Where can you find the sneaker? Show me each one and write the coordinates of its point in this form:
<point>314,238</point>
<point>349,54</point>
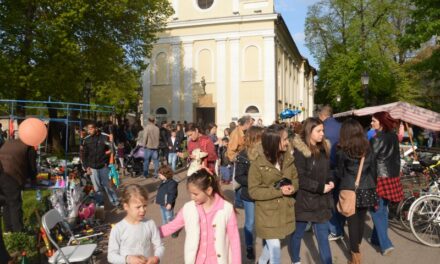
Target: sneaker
<point>388,251</point>
<point>250,253</point>
<point>333,237</point>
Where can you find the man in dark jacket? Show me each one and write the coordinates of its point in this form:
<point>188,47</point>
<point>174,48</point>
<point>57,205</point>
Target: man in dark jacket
<point>17,165</point>
<point>163,142</point>
<point>95,160</point>
<point>331,130</point>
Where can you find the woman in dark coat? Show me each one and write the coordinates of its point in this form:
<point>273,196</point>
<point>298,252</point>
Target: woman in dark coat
<point>242,164</point>
<point>353,145</point>
<point>385,145</point>
<point>314,201</point>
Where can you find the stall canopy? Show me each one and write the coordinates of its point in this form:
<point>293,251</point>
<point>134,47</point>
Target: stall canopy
<point>401,110</point>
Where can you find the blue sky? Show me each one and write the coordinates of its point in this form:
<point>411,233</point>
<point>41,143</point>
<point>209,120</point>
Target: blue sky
<point>294,13</point>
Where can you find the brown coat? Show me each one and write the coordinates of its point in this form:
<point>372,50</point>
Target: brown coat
<point>274,212</point>
<point>236,143</point>
<point>18,161</point>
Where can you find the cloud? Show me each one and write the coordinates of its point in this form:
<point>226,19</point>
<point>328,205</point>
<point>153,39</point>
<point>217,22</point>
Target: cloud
<point>299,37</point>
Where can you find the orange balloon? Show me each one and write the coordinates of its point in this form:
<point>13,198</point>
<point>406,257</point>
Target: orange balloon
<point>32,131</point>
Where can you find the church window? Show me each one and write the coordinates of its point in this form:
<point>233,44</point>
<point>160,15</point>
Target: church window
<point>205,4</point>
<point>252,110</point>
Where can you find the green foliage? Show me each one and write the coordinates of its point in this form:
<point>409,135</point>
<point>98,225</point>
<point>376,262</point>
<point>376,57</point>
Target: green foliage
<point>19,242</point>
<point>31,205</point>
<point>50,47</point>
<point>352,37</point>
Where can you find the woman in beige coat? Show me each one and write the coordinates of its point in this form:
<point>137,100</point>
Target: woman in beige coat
<point>272,182</point>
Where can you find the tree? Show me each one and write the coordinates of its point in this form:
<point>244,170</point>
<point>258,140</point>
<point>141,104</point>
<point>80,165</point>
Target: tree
<point>422,35</point>
<point>351,37</point>
<point>50,47</point>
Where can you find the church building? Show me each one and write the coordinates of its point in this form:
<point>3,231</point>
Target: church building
<point>220,59</point>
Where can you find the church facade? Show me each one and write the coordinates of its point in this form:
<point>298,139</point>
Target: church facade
<point>220,59</point>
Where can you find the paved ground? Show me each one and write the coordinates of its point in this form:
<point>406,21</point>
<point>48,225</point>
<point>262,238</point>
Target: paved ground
<point>408,250</point>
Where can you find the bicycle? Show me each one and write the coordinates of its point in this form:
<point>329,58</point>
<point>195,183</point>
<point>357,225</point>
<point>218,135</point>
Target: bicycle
<point>416,178</point>
<point>424,213</point>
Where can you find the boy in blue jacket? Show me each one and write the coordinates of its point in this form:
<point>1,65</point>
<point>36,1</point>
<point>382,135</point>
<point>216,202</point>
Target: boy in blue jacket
<point>167,194</point>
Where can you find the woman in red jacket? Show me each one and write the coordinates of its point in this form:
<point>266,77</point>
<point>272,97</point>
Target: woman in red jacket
<point>197,140</point>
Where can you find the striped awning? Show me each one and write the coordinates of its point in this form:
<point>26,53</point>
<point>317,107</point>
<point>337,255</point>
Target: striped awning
<point>403,111</point>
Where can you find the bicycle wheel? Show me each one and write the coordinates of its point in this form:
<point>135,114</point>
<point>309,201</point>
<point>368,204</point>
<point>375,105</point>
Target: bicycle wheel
<point>424,219</point>
<point>403,211</point>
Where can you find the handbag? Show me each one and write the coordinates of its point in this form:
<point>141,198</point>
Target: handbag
<point>347,198</point>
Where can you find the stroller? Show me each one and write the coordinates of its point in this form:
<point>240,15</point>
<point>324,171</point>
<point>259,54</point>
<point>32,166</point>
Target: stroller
<point>134,161</point>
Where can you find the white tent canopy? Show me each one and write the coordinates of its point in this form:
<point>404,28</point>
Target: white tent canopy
<point>401,110</point>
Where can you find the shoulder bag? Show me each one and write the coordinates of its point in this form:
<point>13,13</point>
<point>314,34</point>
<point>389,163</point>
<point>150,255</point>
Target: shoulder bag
<point>347,198</point>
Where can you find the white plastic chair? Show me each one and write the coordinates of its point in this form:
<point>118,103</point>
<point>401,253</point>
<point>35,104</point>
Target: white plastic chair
<point>67,254</point>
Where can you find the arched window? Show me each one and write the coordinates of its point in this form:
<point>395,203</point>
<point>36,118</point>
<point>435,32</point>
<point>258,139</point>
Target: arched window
<point>161,69</point>
<point>204,63</point>
<point>252,64</point>
<point>252,110</point>
<point>161,111</point>
<point>205,4</point>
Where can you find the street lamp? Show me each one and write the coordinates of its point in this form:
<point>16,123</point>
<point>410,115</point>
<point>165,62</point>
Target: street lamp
<point>365,79</point>
<point>338,98</point>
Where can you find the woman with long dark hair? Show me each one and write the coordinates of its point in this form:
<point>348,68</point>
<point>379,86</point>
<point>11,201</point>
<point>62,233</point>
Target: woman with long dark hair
<point>314,200</point>
<point>385,145</point>
<point>353,145</point>
<point>251,139</point>
<point>272,182</point>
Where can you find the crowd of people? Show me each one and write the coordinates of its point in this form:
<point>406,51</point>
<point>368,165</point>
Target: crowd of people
<point>287,177</point>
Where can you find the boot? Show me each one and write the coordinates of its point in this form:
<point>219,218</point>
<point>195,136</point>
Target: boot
<point>355,258</point>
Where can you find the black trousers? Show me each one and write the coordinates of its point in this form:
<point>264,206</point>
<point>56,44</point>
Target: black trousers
<point>12,211</point>
<point>4,255</point>
<point>356,225</point>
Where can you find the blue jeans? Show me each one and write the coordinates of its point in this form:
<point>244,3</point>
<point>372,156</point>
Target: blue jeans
<point>238,202</point>
<point>271,252</point>
<point>321,234</point>
<point>172,159</point>
<point>249,221</point>
<point>336,223</point>
<point>380,230</point>
<point>151,154</point>
<point>226,173</point>
<point>167,215</point>
<point>101,182</point>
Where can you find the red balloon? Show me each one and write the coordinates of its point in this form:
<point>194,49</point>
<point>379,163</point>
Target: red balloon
<point>32,131</point>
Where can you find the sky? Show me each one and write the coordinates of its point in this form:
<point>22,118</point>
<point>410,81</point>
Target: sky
<point>294,13</point>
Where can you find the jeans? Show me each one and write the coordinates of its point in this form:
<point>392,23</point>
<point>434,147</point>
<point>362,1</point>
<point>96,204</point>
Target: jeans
<point>249,221</point>
<point>167,215</point>
<point>321,234</point>
<point>271,252</point>
<point>151,154</point>
<point>380,230</point>
<point>226,173</point>
<point>238,202</point>
<point>336,223</point>
<point>172,159</point>
<point>101,182</point>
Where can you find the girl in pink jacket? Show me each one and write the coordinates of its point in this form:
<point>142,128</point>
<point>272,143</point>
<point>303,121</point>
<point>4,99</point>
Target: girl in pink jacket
<point>210,224</point>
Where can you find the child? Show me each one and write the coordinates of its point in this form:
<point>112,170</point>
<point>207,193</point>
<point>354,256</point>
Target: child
<point>167,194</point>
<point>134,238</point>
<point>174,148</point>
<point>209,221</point>
<point>225,164</point>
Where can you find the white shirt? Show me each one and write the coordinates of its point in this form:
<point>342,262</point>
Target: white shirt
<point>129,239</point>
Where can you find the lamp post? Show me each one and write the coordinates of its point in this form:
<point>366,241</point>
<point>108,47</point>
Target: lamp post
<point>365,79</point>
<point>338,98</point>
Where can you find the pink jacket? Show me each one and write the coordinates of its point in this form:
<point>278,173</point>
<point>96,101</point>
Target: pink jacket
<point>209,237</point>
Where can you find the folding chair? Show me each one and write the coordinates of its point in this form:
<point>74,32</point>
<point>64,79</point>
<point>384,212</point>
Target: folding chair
<point>67,254</point>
